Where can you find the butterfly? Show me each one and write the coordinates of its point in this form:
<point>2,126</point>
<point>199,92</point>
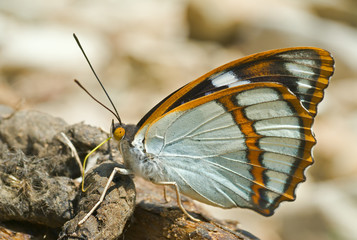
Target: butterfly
<point>239,136</point>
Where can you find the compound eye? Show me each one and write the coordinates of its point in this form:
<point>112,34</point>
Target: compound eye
<point>119,133</point>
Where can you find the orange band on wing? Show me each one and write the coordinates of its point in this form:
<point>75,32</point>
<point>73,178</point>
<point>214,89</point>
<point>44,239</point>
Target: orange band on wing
<point>251,143</point>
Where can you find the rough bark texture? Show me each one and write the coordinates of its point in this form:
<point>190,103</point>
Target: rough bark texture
<point>41,198</point>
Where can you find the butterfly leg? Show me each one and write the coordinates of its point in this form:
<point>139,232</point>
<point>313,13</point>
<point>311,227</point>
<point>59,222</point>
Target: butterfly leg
<point>165,194</point>
<point>122,171</point>
<point>74,151</point>
<point>178,198</point>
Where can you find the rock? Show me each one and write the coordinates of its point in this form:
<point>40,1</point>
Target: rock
<point>109,220</point>
<point>161,220</point>
<point>28,193</point>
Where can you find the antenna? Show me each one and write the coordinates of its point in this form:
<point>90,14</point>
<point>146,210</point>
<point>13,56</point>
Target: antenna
<point>81,86</point>
<point>116,114</point>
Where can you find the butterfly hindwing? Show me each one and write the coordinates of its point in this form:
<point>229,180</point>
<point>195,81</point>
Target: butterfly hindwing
<point>304,70</point>
<point>244,146</point>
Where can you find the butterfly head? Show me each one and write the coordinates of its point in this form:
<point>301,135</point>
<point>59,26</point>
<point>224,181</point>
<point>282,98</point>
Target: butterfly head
<point>117,131</point>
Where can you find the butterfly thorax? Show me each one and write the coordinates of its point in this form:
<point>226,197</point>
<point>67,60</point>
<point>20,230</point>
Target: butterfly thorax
<point>136,159</point>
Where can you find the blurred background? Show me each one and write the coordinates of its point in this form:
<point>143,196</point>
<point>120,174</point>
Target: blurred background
<point>145,49</point>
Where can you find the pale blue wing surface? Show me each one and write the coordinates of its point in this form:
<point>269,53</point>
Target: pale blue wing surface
<point>205,151</point>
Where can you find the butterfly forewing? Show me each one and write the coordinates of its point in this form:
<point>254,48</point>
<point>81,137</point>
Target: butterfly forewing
<point>305,71</point>
<point>243,146</point>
